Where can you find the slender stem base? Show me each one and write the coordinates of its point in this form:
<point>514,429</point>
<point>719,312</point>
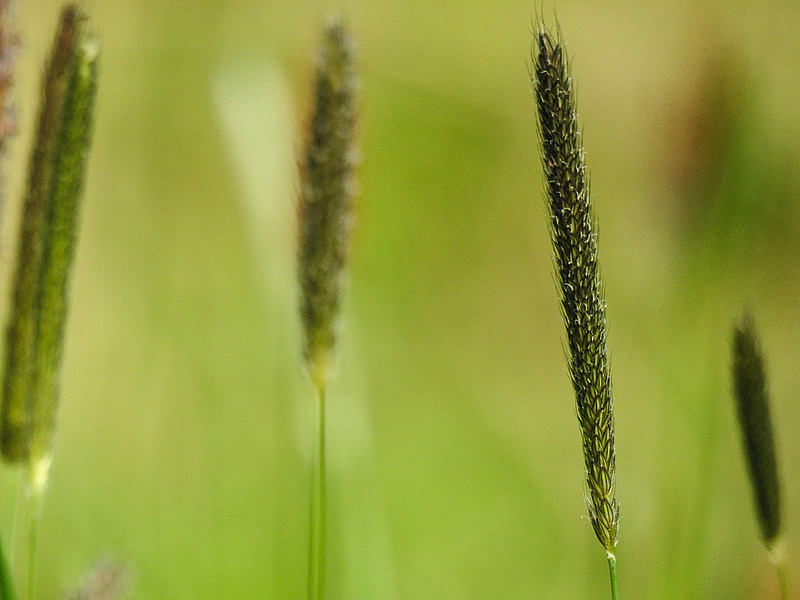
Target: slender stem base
<point>612,570</point>
<point>16,516</point>
<point>316,546</point>
<point>783,575</point>
<point>6,586</point>
<point>778,556</point>
<point>35,512</point>
<point>33,542</point>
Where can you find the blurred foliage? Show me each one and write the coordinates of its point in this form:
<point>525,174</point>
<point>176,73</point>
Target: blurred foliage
<point>455,455</point>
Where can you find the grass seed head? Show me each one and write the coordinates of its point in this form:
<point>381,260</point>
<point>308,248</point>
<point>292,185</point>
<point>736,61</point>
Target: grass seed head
<point>583,306</point>
<point>35,333</point>
<point>326,199</point>
<point>752,402</point>
<point>9,46</point>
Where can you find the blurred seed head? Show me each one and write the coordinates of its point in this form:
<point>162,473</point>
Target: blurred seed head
<point>326,199</point>
<point>752,402</point>
<point>9,45</point>
<point>34,342</point>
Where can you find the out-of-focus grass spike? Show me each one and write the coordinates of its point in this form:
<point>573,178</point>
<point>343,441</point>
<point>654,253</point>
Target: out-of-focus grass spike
<point>755,421</point>
<point>35,331</point>
<point>326,198</point>
<point>9,42</point>
<point>69,168</point>
<point>752,402</point>
<point>582,302</point>
<point>325,215</point>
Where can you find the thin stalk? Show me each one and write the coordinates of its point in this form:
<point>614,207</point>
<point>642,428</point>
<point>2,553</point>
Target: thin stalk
<point>6,586</point>
<point>14,515</point>
<point>612,570</point>
<point>317,529</point>
<point>783,576</point>
<point>33,538</point>
<point>778,557</point>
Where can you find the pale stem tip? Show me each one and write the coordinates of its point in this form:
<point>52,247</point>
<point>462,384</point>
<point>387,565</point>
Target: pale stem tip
<point>39,474</point>
<point>777,551</point>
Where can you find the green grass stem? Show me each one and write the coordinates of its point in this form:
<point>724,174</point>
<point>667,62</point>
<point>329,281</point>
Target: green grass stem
<point>34,517</point>
<point>612,571</point>
<point>783,577</point>
<point>6,584</point>
<point>318,523</point>
<point>13,511</point>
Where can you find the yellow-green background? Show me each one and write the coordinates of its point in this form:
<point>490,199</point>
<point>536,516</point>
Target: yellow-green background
<point>455,465</point>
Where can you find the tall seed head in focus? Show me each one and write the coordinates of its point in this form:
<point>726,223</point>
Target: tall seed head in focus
<point>752,402</point>
<point>575,245</point>
<point>326,199</point>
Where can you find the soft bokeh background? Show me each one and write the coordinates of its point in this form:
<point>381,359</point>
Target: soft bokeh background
<point>455,470</point>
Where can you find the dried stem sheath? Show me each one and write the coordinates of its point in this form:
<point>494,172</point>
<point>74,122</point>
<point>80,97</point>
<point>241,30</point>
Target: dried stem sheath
<point>582,302</point>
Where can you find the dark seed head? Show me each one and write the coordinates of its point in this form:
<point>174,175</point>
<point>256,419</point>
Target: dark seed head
<point>752,402</point>
<point>582,303</point>
<point>35,333</point>
<point>326,198</point>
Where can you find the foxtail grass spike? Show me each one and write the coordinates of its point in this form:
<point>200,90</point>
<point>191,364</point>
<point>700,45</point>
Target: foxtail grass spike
<point>9,42</point>
<point>325,215</point>
<point>326,191</point>
<point>752,402</point>
<point>583,306</point>
<point>34,342</point>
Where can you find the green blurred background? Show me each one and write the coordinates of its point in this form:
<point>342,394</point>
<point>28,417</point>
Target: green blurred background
<point>456,470</point>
